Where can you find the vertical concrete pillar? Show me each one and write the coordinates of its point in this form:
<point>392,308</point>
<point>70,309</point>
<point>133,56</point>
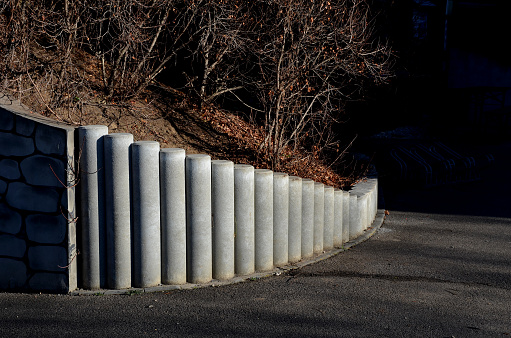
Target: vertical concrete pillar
<point>319,216</point>
<point>369,209</point>
<point>146,213</point>
<point>263,206</point>
<point>198,217</point>
<point>376,197</point>
<point>307,218</point>
<point>355,219</point>
<point>92,206</point>
<point>363,202</point>
<point>295,219</point>
<point>244,254</point>
<point>117,202</point>
<point>280,218</point>
<point>345,216</point>
<point>328,229</point>
<point>338,218</point>
<point>222,195</point>
<point>173,215</point>
<point>373,204</point>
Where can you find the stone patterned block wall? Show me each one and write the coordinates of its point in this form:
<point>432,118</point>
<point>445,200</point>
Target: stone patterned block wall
<point>37,204</point>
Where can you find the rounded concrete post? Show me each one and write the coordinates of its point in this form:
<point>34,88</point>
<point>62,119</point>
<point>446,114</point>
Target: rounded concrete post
<point>92,205</point>
<point>222,194</point>
<point>307,218</point>
<point>355,220</point>
<point>198,216</point>
<point>328,229</point>
<point>263,206</point>
<point>373,200</point>
<point>295,219</point>
<point>244,255</point>
<point>173,215</point>
<point>375,203</point>
<point>117,202</point>
<point>280,218</point>
<point>338,199</point>
<point>363,202</point>
<point>146,213</point>
<point>319,217</point>
<point>372,209</point>
<point>345,217</point>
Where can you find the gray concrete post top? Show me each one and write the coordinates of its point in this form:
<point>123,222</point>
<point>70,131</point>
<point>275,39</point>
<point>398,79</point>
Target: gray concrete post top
<point>151,144</point>
<point>97,127</point>
<point>243,167</point>
<point>197,156</point>
<point>173,150</point>
<point>223,163</point>
<point>308,182</point>
<point>119,135</point>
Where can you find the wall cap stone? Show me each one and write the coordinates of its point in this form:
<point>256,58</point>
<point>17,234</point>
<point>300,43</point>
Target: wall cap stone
<point>14,106</point>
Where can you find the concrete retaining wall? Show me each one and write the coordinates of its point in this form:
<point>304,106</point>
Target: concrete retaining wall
<point>37,202</point>
<point>151,216</point>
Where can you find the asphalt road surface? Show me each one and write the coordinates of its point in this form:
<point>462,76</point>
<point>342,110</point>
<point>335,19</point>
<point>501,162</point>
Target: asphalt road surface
<point>440,266</point>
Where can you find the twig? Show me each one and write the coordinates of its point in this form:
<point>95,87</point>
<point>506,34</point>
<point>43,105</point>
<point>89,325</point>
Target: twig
<point>72,259</point>
<point>69,220</point>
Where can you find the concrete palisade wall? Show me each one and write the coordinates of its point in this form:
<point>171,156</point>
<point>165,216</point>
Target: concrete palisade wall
<point>37,203</point>
<point>194,220</point>
<point>152,216</point>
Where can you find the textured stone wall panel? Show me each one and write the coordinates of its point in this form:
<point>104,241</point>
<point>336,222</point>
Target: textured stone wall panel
<point>46,229</point>
<point>14,145</point>
<point>6,120</point>
<point>37,240</point>
<point>44,281</point>
<point>47,258</point>
<point>3,188</point>
<point>12,246</point>
<point>43,171</point>
<point>24,126</point>
<point>10,221</point>
<point>49,140</point>
<point>9,169</point>
<point>37,199</point>
<point>14,274</point>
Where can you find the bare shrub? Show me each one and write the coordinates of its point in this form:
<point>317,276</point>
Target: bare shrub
<point>291,64</point>
<point>299,60</point>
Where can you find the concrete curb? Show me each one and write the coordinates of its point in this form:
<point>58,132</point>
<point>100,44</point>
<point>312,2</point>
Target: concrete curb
<point>368,233</point>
